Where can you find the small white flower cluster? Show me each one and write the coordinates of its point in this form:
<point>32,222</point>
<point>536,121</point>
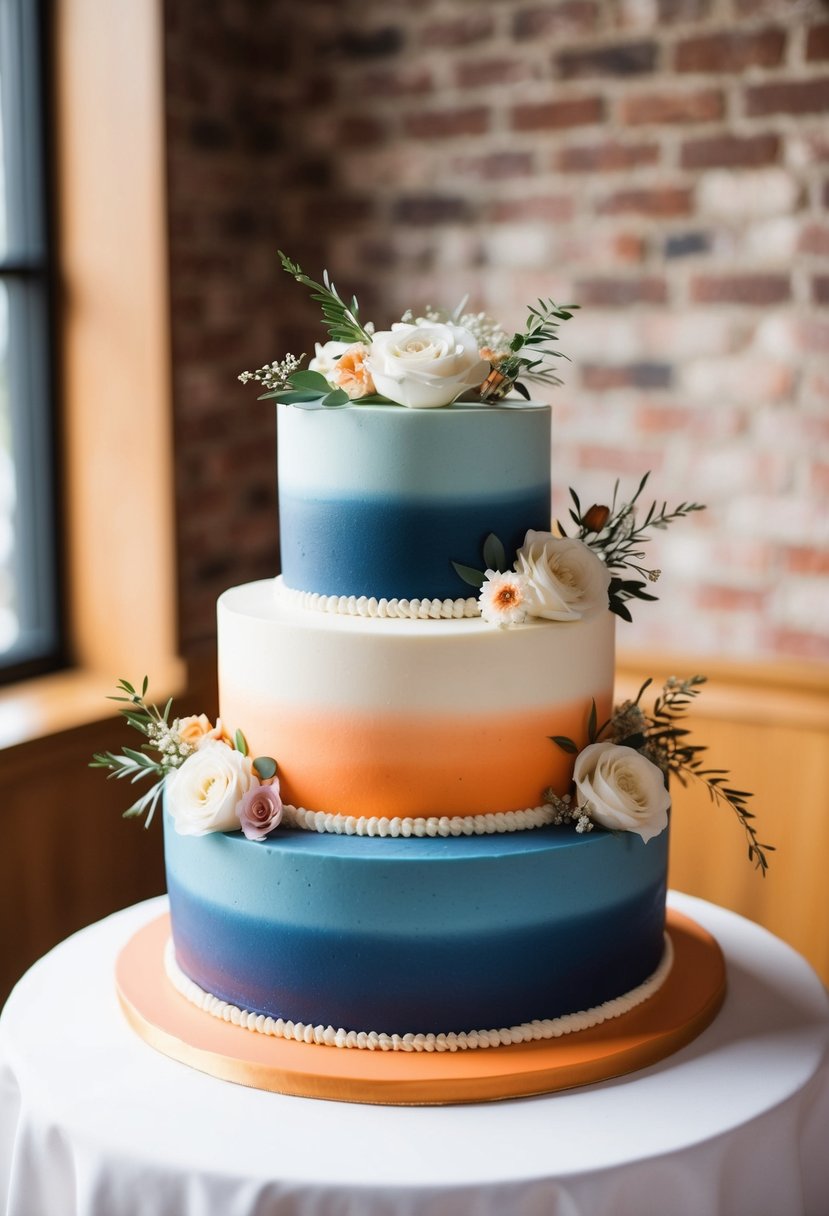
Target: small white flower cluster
<point>565,812</point>
<point>274,376</point>
<point>487,332</point>
<point>168,743</point>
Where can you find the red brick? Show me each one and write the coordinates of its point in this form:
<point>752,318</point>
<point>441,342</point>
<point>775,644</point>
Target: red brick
<point>670,11</point>
<point>606,157</point>
<point>731,599</point>
<point>401,82</point>
<point>730,151</point>
<point>620,59</point>
<point>701,105</point>
<point>485,73</point>
<point>553,20</point>
<point>615,460</point>
<point>759,290</point>
<point>805,559</point>
<point>817,42</point>
<point>820,289</point>
<point>626,247</point>
<point>446,124</point>
<point>555,208</point>
<point>601,378</point>
<point>619,293</point>
<point>495,166</point>
<point>731,51</point>
<point>788,97</point>
<point>793,643</point>
<point>661,202</point>
<point>553,115</point>
<point>814,239</point>
<point>459,31</point>
<point>663,419</point>
<point>359,130</point>
<point>428,209</point>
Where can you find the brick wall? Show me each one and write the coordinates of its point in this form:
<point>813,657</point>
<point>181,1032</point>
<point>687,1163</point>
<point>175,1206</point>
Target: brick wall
<point>665,163</point>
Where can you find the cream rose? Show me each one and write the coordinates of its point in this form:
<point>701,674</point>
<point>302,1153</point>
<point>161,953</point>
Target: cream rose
<point>202,795</point>
<point>425,366</point>
<point>565,578</point>
<point>325,358</point>
<point>621,789</point>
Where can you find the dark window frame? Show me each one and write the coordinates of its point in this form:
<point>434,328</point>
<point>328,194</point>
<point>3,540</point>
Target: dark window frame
<point>28,273</point>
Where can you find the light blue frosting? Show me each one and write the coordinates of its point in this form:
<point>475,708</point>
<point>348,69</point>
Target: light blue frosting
<point>380,500</point>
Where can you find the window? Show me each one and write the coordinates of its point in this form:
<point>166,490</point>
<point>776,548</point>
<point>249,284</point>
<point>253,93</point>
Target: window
<point>29,631</point>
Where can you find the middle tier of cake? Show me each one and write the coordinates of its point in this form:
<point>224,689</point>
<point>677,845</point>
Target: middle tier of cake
<point>385,718</point>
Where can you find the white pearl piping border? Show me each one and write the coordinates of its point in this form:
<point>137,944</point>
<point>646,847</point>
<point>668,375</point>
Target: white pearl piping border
<point>327,1036</point>
<point>369,606</point>
<point>444,825</point>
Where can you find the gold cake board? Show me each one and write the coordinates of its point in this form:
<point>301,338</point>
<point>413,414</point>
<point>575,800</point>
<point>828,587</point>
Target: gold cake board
<point>687,1002</point>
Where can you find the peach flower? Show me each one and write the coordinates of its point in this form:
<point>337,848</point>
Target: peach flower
<point>351,373</point>
<point>197,730</point>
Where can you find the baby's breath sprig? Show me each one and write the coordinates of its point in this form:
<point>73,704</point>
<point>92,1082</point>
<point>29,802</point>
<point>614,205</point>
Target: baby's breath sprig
<point>275,377</point>
<point>615,535</point>
<point>661,736</point>
<point>342,320</point>
<point>161,737</point>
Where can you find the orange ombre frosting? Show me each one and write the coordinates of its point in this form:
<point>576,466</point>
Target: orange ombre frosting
<point>416,718</point>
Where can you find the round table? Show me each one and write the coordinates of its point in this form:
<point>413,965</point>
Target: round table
<point>94,1122</point>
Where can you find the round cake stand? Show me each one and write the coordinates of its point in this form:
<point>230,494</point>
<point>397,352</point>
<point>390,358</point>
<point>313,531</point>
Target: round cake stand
<point>687,1002</point>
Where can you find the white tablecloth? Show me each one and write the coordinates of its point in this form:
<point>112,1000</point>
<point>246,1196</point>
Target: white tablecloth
<point>93,1122</point>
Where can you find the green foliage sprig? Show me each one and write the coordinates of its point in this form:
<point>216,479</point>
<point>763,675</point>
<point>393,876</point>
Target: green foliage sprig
<point>615,534</point>
<point>664,739</point>
<point>137,765</point>
<point>342,320</point>
<point>531,350</point>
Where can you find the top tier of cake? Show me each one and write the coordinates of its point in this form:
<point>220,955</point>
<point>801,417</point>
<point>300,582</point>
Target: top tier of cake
<point>379,500</point>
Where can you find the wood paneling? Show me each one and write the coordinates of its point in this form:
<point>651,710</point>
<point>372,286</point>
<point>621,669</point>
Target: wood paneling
<point>769,726</point>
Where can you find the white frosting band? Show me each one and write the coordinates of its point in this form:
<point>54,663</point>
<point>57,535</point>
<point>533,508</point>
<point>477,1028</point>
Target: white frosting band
<point>444,825</point>
<point>369,606</point>
<point>327,1036</point>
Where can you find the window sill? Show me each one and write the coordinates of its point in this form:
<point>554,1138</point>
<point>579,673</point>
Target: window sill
<point>49,705</point>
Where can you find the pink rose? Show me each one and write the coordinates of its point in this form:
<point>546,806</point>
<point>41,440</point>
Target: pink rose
<point>260,811</point>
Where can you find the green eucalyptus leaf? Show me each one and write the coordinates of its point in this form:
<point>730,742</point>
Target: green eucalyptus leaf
<point>337,397</point>
<point>310,380</point>
<point>265,767</point>
<point>592,723</point>
<point>494,556</point>
<point>475,578</point>
<point>241,743</point>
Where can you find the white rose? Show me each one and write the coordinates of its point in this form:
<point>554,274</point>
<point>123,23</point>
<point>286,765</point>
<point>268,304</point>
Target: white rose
<point>326,357</point>
<point>202,795</point>
<point>425,366</point>
<point>565,578</point>
<point>621,789</point>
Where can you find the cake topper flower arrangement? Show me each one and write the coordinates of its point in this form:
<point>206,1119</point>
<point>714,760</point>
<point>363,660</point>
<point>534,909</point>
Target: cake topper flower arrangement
<point>422,362</point>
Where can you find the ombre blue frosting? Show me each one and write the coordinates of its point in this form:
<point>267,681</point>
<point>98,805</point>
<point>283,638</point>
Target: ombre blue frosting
<point>381,500</point>
<point>395,547</point>
<point>417,935</point>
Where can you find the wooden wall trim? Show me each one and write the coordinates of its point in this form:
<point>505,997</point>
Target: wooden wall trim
<point>115,325</point>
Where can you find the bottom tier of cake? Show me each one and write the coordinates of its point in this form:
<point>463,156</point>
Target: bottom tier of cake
<point>421,935</point>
